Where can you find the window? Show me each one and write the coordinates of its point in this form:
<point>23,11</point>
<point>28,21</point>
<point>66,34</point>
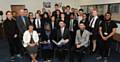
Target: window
<point>115,8</point>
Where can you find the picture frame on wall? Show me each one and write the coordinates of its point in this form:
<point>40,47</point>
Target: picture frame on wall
<point>47,4</point>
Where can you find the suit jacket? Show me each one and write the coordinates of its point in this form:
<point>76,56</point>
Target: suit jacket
<point>67,18</point>
<point>84,39</point>
<point>48,38</point>
<point>20,24</point>
<point>86,22</point>
<point>97,24</point>
<point>55,26</point>
<point>75,25</point>
<point>38,29</point>
<point>66,34</point>
<point>45,37</point>
<point>10,28</point>
<point>31,23</point>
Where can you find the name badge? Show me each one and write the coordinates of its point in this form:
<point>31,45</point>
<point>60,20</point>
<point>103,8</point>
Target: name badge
<point>105,33</point>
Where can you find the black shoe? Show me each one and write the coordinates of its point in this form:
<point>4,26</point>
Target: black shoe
<point>99,58</point>
<point>12,59</point>
<point>19,56</point>
<point>105,59</point>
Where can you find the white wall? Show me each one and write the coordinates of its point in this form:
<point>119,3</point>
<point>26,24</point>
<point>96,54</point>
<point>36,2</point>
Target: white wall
<point>92,2</point>
<point>34,5</point>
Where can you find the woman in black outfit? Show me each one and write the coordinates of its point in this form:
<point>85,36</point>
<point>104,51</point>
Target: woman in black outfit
<point>46,18</point>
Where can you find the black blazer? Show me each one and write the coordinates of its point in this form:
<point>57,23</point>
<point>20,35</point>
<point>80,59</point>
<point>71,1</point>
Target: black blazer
<point>10,28</point>
<point>32,23</point>
<point>55,25</point>
<point>45,37</point>
<point>75,25</point>
<point>42,24</point>
<point>67,18</point>
<point>86,22</point>
<point>21,27</point>
<point>97,24</point>
<point>66,34</point>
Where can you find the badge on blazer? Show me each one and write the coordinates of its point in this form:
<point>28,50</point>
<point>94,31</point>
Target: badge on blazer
<point>105,33</point>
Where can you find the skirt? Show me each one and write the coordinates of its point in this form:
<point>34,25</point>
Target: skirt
<point>32,50</point>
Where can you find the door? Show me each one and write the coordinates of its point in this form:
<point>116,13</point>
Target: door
<point>16,8</point>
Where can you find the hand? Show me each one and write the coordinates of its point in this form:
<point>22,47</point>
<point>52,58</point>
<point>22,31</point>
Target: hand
<point>66,41</point>
<point>94,46</point>
<point>78,46</point>
<point>48,42</point>
<point>15,35</point>
<point>39,33</point>
<point>104,38</point>
<point>93,50</point>
<point>45,42</point>
<point>31,45</point>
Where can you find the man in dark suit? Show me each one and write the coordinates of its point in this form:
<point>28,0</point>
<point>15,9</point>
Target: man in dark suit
<point>73,26</point>
<point>55,11</point>
<point>53,24</point>
<point>63,38</point>
<point>63,33</point>
<point>38,24</point>
<point>22,25</point>
<point>22,22</point>
<point>67,15</point>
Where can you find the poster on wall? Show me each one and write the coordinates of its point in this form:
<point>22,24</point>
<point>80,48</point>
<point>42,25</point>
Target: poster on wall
<point>60,4</point>
<point>47,4</point>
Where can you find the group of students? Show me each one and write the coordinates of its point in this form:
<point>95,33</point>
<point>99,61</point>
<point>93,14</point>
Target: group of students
<point>58,33</point>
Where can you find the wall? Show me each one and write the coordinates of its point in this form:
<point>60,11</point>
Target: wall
<point>34,5</point>
<point>94,2</point>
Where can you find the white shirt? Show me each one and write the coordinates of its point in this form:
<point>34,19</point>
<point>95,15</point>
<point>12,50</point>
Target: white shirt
<point>79,19</point>
<point>92,22</point>
<point>31,20</point>
<point>36,23</point>
<point>62,30</point>
<point>71,25</point>
<point>52,25</point>
<point>27,37</point>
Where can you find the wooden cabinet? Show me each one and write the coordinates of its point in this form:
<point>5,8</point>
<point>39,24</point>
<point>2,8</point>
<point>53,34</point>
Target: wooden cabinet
<point>116,37</point>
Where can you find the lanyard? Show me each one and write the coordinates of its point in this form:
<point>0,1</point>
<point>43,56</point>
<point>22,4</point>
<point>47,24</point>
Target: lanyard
<point>106,27</point>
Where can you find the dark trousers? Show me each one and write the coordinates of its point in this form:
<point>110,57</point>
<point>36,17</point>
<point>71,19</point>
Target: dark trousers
<point>22,50</point>
<point>62,52</point>
<point>72,40</point>
<point>79,53</point>
<point>14,46</point>
<point>103,47</point>
<point>47,54</point>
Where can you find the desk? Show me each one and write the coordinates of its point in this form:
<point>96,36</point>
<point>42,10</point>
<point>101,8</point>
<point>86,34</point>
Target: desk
<point>116,37</point>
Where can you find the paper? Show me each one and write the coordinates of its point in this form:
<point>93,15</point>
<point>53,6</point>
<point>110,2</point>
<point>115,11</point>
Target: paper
<point>61,42</point>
